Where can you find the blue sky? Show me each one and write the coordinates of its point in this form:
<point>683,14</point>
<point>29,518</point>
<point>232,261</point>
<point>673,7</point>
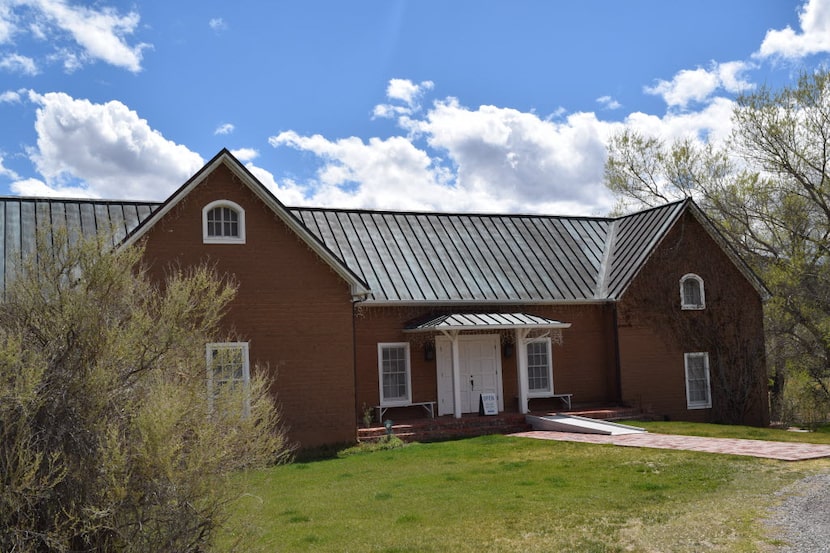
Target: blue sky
<point>469,105</point>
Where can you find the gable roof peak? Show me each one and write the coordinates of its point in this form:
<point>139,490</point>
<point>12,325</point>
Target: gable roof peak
<point>224,157</point>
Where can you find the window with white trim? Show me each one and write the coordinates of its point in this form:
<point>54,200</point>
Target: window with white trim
<point>394,374</point>
<point>228,368</point>
<point>692,295</point>
<point>223,222</point>
<point>698,387</point>
<point>539,368</point>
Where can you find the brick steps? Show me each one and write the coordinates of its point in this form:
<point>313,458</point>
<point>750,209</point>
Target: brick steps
<point>468,426</point>
<point>447,428</point>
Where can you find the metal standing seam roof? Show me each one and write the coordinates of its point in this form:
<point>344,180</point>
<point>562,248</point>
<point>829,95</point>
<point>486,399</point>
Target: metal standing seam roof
<point>22,218</point>
<point>414,257</point>
<point>493,321</point>
<point>436,257</point>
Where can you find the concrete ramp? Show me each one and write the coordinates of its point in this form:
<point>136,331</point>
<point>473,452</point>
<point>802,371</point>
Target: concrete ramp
<point>580,425</point>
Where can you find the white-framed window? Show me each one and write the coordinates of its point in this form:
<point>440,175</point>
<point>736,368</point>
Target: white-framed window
<point>698,387</point>
<point>228,365</point>
<point>394,374</point>
<point>539,368</point>
<point>692,295</point>
<point>223,222</point>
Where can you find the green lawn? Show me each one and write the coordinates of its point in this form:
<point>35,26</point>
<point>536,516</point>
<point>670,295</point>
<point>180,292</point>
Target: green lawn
<point>498,493</point>
<point>820,436</point>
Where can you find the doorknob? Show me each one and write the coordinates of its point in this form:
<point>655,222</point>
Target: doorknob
<point>472,384</point>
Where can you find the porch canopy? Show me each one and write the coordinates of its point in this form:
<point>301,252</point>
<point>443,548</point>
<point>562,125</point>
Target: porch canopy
<point>454,323</point>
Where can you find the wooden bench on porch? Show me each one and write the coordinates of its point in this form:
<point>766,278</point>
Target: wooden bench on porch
<point>429,407</point>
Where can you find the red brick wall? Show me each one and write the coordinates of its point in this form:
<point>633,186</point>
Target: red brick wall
<point>583,365</point>
<point>295,310</point>
<point>655,332</point>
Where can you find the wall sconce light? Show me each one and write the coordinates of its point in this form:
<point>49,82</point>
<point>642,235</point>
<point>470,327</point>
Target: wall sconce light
<point>508,351</point>
<point>429,351</point>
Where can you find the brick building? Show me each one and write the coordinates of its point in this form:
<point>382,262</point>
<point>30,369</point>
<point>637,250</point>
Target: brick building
<point>421,313</point>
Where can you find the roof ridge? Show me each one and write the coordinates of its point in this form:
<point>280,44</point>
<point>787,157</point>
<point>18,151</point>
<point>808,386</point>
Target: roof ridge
<point>450,213</point>
<point>605,264</point>
<point>7,198</point>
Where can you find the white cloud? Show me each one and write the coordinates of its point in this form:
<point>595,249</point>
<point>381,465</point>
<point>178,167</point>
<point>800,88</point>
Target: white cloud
<point>714,122</point>
<point>814,38</point>
<point>7,24</point>
<point>490,159</point>
<point>16,63</point>
<point>224,128</point>
<point>405,91</point>
<point>10,96</point>
<point>217,24</point>
<point>698,85</point>
<point>287,191</point>
<point>108,148</point>
<point>245,154</point>
<point>608,102</point>
<point>79,33</point>
<point>381,173</point>
<point>517,159</point>
<point>6,172</point>
<point>35,187</point>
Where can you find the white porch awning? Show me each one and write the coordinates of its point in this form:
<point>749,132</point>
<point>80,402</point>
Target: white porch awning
<point>484,321</point>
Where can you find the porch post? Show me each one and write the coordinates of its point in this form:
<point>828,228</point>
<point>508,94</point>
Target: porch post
<point>521,363</point>
<point>456,375</point>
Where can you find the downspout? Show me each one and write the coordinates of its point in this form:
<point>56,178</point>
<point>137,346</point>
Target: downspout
<point>357,408</point>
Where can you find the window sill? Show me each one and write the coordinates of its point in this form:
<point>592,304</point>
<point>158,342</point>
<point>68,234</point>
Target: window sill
<point>223,240</point>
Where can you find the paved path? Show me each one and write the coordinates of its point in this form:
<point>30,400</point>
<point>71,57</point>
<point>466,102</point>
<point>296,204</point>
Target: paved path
<point>784,451</point>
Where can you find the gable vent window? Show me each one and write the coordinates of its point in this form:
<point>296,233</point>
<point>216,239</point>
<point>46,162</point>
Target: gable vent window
<point>223,222</point>
<point>691,292</point>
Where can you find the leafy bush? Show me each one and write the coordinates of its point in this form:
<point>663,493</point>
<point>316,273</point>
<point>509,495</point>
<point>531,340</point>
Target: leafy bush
<point>107,439</point>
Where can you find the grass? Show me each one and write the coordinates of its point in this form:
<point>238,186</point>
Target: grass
<point>498,493</point>
<point>820,436</point>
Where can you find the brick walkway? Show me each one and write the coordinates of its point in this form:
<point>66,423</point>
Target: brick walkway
<point>784,451</point>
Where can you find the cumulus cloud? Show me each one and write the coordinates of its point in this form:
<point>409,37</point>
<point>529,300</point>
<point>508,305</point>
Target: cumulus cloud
<point>6,172</point>
<point>79,33</point>
<point>16,63</point>
<point>405,91</point>
<point>813,38</point>
<point>245,154</point>
<point>608,102</point>
<point>381,173</point>
<point>698,85</point>
<point>488,159</point>
<point>36,187</point>
<point>224,128</point>
<point>7,25</point>
<point>104,150</point>
<point>217,24</point>
<point>10,96</point>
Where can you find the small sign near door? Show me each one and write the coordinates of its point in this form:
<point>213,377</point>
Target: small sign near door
<point>488,404</point>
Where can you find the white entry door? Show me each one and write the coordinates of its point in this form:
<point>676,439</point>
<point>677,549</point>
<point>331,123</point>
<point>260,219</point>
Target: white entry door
<point>480,371</point>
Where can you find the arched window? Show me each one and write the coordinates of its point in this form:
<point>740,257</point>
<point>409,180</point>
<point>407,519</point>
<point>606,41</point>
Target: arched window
<point>692,295</point>
<point>223,222</point>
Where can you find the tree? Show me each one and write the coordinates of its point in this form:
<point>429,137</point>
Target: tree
<point>108,440</point>
<point>768,191</point>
